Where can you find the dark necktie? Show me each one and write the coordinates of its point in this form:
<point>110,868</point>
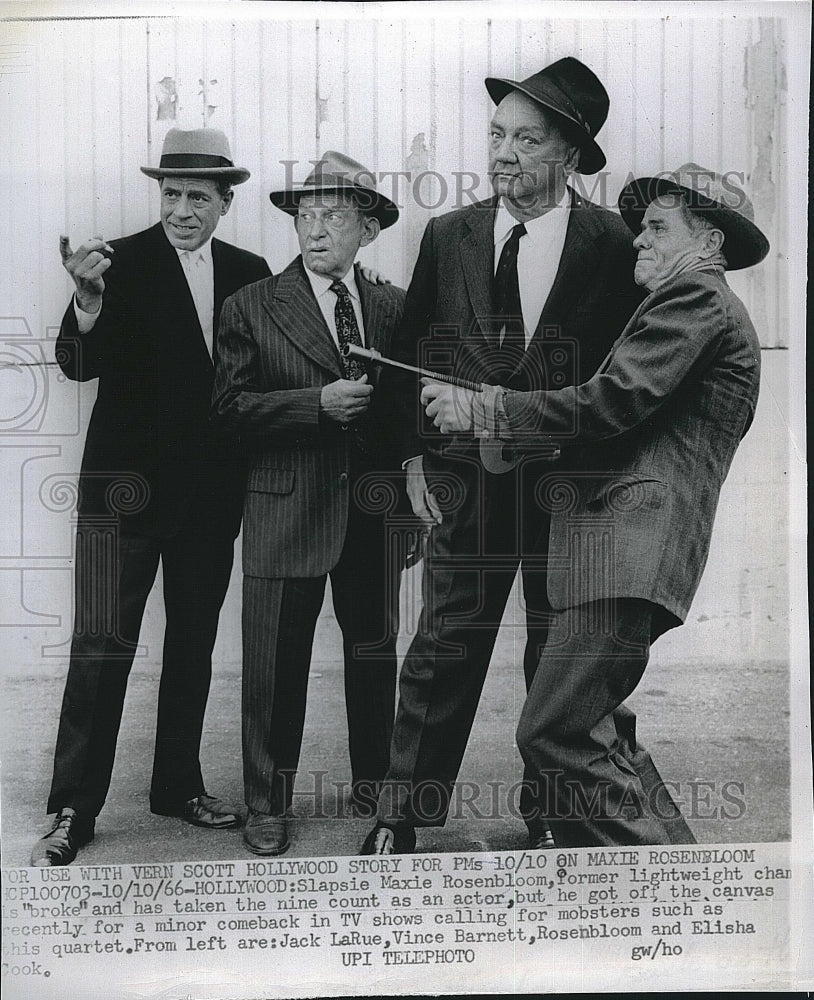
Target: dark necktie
<point>347,329</point>
<point>506,298</point>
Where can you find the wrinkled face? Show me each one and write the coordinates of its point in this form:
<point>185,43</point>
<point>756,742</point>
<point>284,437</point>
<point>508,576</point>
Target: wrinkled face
<point>190,210</point>
<point>527,152</point>
<point>330,230</point>
<point>665,242</point>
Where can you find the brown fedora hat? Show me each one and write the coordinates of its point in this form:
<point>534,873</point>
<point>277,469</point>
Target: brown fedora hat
<point>576,94</point>
<point>337,172</point>
<point>197,152</point>
<point>714,197</point>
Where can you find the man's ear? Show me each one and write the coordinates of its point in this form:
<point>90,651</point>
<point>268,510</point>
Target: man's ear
<point>370,230</point>
<point>226,201</point>
<point>713,242</point>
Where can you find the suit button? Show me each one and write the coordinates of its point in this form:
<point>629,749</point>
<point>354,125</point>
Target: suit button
<point>343,427</point>
<point>343,477</point>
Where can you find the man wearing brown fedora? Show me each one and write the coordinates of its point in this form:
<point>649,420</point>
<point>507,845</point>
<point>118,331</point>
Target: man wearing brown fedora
<point>657,427</point>
<point>528,289</point>
<point>318,494</point>
<point>157,484</point>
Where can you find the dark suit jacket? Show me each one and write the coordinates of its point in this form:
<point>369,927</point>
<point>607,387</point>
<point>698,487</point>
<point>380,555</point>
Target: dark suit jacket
<point>660,423</point>
<point>448,311</point>
<point>149,448</point>
<point>276,354</point>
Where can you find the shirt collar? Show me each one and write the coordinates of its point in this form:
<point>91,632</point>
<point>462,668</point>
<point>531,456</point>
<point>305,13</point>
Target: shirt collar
<point>204,252</point>
<point>321,283</point>
<point>539,228</point>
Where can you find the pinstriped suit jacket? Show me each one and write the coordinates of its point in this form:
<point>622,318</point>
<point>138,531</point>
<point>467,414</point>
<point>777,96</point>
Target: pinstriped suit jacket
<point>659,425</point>
<point>275,354</point>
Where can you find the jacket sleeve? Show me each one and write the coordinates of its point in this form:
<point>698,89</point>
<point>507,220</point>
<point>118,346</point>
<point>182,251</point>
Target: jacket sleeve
<point>402,389</point>
<point>110,344</point>
<point>238,403</point>
<point>675,334</point>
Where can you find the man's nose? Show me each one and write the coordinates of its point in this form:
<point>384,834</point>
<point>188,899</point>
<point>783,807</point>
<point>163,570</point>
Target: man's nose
<point>182,206</point>
<point>318,228</point>
<point>640,241</point>
<point>505,150</point>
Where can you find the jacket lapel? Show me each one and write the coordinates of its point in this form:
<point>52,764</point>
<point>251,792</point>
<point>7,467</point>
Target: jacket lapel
<point>477,260</point>
<point>296,314</point>
<point>171,291</point>
<point>377,314</point>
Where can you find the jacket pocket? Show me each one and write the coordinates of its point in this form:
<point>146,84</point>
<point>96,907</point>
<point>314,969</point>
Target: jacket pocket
<point>270,481</point>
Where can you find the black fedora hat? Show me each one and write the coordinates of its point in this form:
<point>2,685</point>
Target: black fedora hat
<point>713,196</point>
<point>576,94</point>
<point>197,152</point>
<point>337,172</point>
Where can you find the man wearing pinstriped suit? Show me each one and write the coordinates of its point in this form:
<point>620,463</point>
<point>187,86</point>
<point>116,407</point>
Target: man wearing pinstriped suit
<point>315,432</point>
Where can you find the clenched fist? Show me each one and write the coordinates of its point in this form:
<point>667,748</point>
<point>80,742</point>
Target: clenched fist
<point>346,400</point>
<point>86,266</point>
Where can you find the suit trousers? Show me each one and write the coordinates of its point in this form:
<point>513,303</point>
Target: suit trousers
<point>114,574</point>
<point>600,788</point>
<point>279,619</point>
<point>491,524</point>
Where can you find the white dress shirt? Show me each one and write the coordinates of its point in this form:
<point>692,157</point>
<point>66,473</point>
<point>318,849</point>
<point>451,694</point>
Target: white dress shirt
<point>538,256</point>
<point>326,300</point>
<point>200,274</point>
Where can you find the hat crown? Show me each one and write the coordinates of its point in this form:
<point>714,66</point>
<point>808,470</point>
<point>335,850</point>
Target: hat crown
<point>337,169</point>
<point>714,187</point>
<point>583,89</point>
<point>196,142</point>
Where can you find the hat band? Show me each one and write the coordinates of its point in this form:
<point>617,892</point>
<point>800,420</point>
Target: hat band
<point>195,161</point>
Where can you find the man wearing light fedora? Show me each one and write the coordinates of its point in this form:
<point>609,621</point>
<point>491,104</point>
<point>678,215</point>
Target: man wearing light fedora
<point>528,289</point>
<point>657,428</point>
<point>157,484</point>
<point>318,494</point>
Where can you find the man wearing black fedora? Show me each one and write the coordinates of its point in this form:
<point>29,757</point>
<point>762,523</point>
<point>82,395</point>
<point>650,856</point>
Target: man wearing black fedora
<point>157,484</point>
<point>318,492</point>
<point>657,427</point>
<point>528,289</point>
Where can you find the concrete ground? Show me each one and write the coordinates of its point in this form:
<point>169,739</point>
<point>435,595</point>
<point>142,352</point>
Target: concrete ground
<point>727,759</point>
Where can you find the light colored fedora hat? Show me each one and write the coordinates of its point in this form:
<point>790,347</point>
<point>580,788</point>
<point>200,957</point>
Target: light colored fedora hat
<point>714,197</point>
<point>337,172</point>
<point>197,152</point>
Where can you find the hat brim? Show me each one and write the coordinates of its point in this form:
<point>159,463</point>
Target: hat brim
<point>237,175</point>
<point>744,244</point>
<point>371,202</point>
<point>591,157</point>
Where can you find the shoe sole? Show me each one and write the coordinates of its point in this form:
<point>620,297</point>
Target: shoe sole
<point>267,854</point>
<point>231,825</point>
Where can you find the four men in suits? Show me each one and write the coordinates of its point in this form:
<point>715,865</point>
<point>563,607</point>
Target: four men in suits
<point>316,503</point>
<point>528,289</point>
<point>158,484</point>
<point>657,428</point>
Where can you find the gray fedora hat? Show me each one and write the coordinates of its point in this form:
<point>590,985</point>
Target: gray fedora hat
<point>576,94</point>
<point>197,152</point>
<point>337,172</point>
<point>713,196</point>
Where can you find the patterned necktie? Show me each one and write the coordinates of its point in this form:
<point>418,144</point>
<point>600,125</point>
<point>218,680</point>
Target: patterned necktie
<point>347,329</point>
<point>506,289</point>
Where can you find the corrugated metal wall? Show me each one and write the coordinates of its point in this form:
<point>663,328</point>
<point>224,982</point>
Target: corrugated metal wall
<point>89,101</point>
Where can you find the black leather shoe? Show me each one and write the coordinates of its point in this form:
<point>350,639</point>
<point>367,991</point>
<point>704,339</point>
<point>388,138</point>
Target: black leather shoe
<point>204,810</point>
<point>60,844</point>
<point>266,835</point>
<point>389,840</point>
<point>541,839</point>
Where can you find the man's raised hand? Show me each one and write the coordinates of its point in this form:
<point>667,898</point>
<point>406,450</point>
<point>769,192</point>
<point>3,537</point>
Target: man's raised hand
<point>346,399</point>
<point>86,266</point>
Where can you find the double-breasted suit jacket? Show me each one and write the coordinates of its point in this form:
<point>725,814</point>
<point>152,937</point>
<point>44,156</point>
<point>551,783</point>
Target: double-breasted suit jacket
<point>317,503</point>
<point>492,523</point>
<point>276,357</point>
<point>157,483</point>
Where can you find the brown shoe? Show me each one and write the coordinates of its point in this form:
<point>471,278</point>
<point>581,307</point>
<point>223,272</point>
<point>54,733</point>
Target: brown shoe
<point>204,810</point>
<point>63,840</point>
<point>266,835</point>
